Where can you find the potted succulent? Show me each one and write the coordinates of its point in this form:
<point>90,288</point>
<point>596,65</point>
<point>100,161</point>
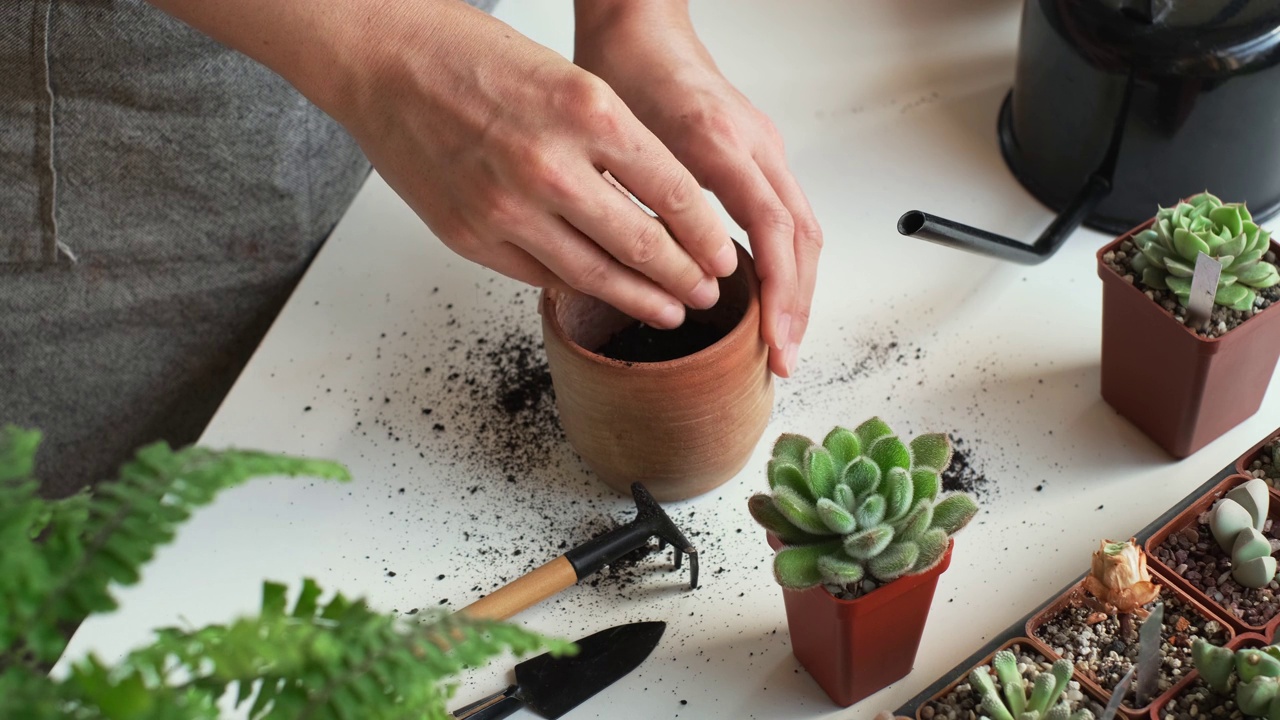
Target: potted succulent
<point>1263,461</point>
<point>1017,682</point>
<point>1243,676</point>
<point>702,393</point>
<point>1185,386</point>
<point>862,534</point>
<point>1092,625</point>
<point>1219,550</point>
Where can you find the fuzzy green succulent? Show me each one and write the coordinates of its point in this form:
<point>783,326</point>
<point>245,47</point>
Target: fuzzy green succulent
<point>1223,231</point>
<point>1010,700</point>
<point>1256,672</point>
<point>862,503</point>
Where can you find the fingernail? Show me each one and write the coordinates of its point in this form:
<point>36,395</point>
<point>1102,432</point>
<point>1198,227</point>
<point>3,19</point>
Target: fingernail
<point>782,331</point>
<point>789,358</point>
<point>671,316</point>
<point>726,261</point>
<point>705,294</point>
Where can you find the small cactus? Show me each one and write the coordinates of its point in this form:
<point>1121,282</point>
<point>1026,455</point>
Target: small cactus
<point>1011,701</point>
<point>1236,522</point>
<point>862,503</point>
<point>1224,232</point>
<point>1255,672</point>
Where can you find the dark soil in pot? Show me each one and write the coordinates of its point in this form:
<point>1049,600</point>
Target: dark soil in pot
<point>1222,321</point>
<point>1197,702</point>
<point>1194,554</point>
<point>961,703</point>
<point>639,343</point>
<point>1099,651</point>
<point>1265,466</point>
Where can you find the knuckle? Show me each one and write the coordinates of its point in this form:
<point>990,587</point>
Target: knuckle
<point>589,277</point>
<point>810,233</point>
<point>774,217</point>
<point>592,101</point>
<point>676,195</point>
<point>500,210</point>
<point>647,245</point>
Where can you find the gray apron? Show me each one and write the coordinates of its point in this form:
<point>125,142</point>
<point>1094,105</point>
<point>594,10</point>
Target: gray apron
<point>160,196</point>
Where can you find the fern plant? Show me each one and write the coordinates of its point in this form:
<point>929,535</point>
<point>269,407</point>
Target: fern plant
<point>319,657</point>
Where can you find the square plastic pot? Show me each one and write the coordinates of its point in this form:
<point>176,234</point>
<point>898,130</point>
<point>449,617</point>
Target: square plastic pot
<point>1187,518</point>
<point>1255,452</point>
<point>1239,642</point>
<point>853,648</point>
<point>1075,596</point>
<point>1181,389</point>
<point>1025,642</point>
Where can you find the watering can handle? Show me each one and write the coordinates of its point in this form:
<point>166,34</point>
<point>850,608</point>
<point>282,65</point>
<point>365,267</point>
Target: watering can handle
<point>524,592</point>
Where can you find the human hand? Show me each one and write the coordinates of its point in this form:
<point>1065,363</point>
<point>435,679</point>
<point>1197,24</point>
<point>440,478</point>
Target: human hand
<point>649,55</point>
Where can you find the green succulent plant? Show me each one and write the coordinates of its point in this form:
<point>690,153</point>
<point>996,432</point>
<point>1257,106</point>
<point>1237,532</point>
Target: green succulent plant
<point>1236,522</point>
<point>1255,671</point>
<point>1223,231</point>
<point>1011,701</point>
<point>862,503</point>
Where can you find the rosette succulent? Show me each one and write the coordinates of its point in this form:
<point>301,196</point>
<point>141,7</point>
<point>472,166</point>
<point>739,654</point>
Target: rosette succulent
<point>861,504</point>
<point>1223,231</point>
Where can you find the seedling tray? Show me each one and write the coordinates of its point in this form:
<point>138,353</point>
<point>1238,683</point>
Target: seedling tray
<point>1018,628</point>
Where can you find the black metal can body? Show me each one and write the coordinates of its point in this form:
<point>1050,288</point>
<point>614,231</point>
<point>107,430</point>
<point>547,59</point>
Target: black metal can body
<point>1186,96</point>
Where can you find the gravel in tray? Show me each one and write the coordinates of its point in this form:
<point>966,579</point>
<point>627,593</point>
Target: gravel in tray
<point>1198,702</point>
<point>1194,554</point>
<point>961,703</point>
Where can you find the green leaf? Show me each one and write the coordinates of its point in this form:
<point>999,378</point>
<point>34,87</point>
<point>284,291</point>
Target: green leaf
<point>862,476</point>
<point>866,544</point>
<point>17,452</point>
<point>925,484</point>
<point>796,568</point>
<point>897,560</point>
<point>916,522</point>
<point>931,451</point>
<point>273,599</point>
<point>789,448</point>
<point>1177,268</point>
<point>871,431</point>
<point>1141,263</point>
<point>933,545</point>
<point>1234,246</point>
<point>871,512</point>
<point>1245,260</point>
<point>1188,245</point>
<point>1261,275</point>
<point>1229,217</point>
<point>889,453</point>
<point>897,490</point>
<point>843,495</point>
<point>1230,295</point>
<point>820,472</point>
<point>783,474</point>
<point>836,518</point>
<point>799,511</point>
<point>843,446</point>
<point>1179,285</point>
<point>838,569</point>
<point>767,515</point>
<point>1154,278</point>
<point>954,512</point>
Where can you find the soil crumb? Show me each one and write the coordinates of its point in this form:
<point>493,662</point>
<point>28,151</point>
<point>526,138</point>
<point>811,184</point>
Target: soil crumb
<point>642,343</point>
<point>965,473</point>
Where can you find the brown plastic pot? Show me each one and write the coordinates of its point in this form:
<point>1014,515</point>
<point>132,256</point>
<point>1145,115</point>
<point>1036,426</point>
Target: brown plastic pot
<point>853,648</point>
<point>1181,389</point>
<point>682,427</point>
<point>1249,640</point>
<point>1031,643</point>
<point>1188,518</point>
<point>1245,460</point>
<point>1075,597</point>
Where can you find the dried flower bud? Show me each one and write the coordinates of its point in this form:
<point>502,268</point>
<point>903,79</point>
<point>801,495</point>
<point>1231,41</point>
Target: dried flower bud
<point>1119,577</point>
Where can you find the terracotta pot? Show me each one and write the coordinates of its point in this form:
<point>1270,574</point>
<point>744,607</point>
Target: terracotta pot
<point>1026,642</point>
<point>1249,640</point>
<point>1074,597</point>
<point>1187,518</point>
<point>853,648</point>
<point>1242,464</point>
<point>1179,388</point>
<point>682,427</point>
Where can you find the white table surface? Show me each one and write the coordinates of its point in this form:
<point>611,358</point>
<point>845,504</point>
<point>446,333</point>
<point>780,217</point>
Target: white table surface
<point>886,106</point>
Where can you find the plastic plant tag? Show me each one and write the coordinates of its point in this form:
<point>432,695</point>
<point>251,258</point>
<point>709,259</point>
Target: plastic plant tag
<point>1204,286</point>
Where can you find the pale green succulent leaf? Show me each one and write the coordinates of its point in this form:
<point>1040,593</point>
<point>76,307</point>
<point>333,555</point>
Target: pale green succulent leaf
<point>1261,275</point>
<point>1179,285</point>
<point>932,450</point>
<point>783,474</point>
<point>866,544</point>
<point>820,471</point>
<point>790,448</point>
<point>772,520</point>
<point>843,495</point>
<point>1178,268</point>
<point>839,569</point>
<point>890,452</point>
<point>1231,295</point>
<point>796,568</point>
<point>843,445</point>
<point>1188,245</point>
<point>898,559</point>
<point>954,512</point>
<point>799,511</point>
<point>897,490</point>
<point>1154,278</point>
<point>837,519</point>
<point>871,431</point>
<point>925,484</point>
<point>862,476</point>
<point>933,545</point>
<point>871,512</point>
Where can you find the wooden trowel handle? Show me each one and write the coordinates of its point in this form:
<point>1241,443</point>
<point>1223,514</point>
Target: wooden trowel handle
<point>524,592</point>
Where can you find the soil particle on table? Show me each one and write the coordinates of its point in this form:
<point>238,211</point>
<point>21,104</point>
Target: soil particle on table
<point>965,473</point>
<point>1265,466</point>
<point>1198,702</point>
<point>961,703</point>
<point>640,343</point>
<point>1098,650</point>
<point>1222,319</point>
<point>1195,555</point>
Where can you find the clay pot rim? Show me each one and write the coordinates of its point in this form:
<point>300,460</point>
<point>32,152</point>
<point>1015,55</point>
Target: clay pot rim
<point>749,323</point>
<point>1115,243</point>
<point>1187,518</point>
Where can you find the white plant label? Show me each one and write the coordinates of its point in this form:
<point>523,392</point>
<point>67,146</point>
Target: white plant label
<point>1204,286</point>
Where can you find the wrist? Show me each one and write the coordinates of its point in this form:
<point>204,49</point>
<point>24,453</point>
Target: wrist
<point>598,24</point>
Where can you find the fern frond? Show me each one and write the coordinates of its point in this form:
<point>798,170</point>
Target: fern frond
<point>110,535</point>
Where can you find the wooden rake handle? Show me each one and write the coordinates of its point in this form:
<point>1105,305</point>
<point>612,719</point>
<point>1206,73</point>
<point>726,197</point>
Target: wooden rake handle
<point>524,592</point>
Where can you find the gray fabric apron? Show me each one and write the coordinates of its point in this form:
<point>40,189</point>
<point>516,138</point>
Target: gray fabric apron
<point>160,196</point>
